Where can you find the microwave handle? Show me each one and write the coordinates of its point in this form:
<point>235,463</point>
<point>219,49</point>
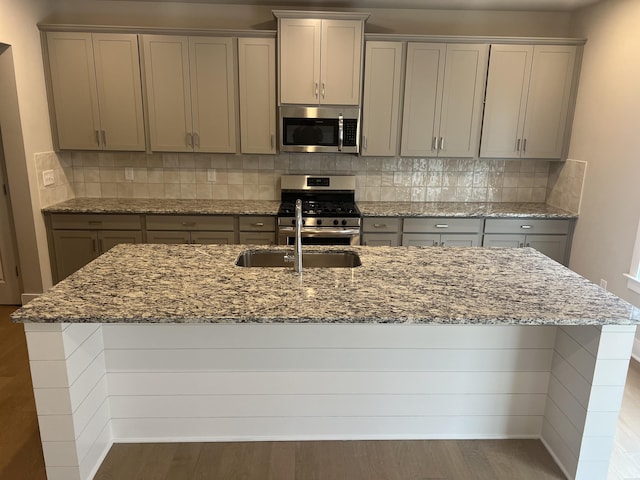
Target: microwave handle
<point>340,132</point>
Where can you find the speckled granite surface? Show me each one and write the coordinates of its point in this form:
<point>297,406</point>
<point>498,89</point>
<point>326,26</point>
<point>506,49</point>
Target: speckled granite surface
<point>431,285</point>
<point>454,209</point>
<point>270,207</point>
<point>165,206</point>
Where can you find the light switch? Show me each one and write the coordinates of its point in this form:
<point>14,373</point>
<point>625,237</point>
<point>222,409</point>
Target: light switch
<point>48,178</point>
<point>128,173</point>
<point>211,175</point>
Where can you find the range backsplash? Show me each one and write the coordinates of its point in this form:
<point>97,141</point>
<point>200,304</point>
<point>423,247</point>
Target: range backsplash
<point>256,177</point>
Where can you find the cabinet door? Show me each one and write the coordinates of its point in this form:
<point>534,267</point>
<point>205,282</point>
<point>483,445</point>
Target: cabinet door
<point>505,102</point>
<point>381,103</point>
<point>168,237</point>
<point>217,238</point>
<point>553,246</point>
<point>465,74</point>
<point>213,94</point>
<point>422,98</point>
<point>299,45</point>
<point>166,60</point>
<point>504,241</point>
<point>74,249</point>
<point>381,239</point>
<point>341,60</point>
<point>420,240</point>
<point>117,66</point>
<point>257,85</point>
<point>73,90</point>
<point>545,124</point>
<point>108,239</point>
<point>460,240</point>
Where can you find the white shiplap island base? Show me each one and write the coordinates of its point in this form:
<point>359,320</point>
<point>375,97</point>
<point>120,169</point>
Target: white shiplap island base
<point>175,343</point>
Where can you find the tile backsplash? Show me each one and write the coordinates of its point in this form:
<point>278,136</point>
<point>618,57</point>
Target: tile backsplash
<point>256,177</point>
<point>564,188</point>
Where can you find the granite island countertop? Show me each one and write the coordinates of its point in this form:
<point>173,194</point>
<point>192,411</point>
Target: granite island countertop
<point>270,207</point>
<point>153,283</point>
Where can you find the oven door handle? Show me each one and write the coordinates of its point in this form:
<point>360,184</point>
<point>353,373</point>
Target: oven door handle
<point>345,232</point>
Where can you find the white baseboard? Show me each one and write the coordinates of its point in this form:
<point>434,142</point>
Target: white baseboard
<point>555,458</point>
<point>27,297</point>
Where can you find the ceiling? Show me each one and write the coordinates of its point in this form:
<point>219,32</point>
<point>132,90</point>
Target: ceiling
<point>528,5</point>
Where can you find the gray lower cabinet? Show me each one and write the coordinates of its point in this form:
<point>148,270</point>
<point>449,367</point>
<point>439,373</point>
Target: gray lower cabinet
<point>77,239</point>
<point>257,230</point>
<point>203,229</point>
<point>381,231</point>
<point>442,231</point>
<point>548,236</point>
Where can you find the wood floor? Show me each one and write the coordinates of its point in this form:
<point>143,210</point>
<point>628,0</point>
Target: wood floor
<point>20,448</point>
<point>21,452</point>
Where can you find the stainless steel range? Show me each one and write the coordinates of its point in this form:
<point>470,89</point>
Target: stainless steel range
<point>329,211</point>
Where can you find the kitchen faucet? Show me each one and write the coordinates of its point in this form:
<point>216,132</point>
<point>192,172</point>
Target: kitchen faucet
<point>297,254</point>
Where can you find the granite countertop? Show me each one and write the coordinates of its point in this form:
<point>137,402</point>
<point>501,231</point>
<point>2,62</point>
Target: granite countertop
<point>149,283</point>
<point>458,209</point>
<point>270,207</point>
<point>165,206</point>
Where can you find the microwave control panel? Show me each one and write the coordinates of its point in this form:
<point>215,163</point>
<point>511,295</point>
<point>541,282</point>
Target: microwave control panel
<point>350,132</point>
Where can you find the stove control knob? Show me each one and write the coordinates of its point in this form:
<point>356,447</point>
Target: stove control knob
<point>344,222</point>
<point>335,222</point>
<point>319,222</point>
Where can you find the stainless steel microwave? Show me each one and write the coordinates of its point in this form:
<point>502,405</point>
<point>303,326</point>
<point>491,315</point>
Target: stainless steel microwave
<point>319,129</point>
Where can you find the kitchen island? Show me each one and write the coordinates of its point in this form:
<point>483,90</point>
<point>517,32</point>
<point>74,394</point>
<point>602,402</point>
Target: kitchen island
<point>177,343</point>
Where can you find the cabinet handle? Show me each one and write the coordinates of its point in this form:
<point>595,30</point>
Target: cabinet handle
<point>273,141</point>
<point>379,225</point>
<point>434,143</point>
<point>442,244</point>
<point>524,145</point>
<point>441,143</point>
<point>98,137</point>
<point>196,139</point>
<point>322,89</point>
<point>442,225</point>
<point>518,145</point>
<point>258,224</point>
<point>364,142</point>
<point>528,244</point>
<point>435,243</point>
<point>104,138</point>
<point>526,227</point>
<point>189,140</point>
<point>316,89</point>
<point>95,222</point>
<point>521,244</point>
<point>94,245</point>
<point>188,224</point>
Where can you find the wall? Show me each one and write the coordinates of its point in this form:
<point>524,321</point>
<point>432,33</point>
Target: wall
<point>605,135</point>
<point>256,177</point>
<point>25,125</point>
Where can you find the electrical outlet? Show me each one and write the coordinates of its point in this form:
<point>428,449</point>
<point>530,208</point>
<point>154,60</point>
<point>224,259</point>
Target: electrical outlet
<point>128,173</point>
<point>603,283</point>
<point>48,178</point>
<point>211,175</point>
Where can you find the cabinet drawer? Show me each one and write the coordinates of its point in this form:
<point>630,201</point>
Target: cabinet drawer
<point>381,224</point>
<point>381,239</point>
<point>257,224</point>
<point>77,221</point>
<point>442,225</point>
<point>526,226</point>
<point>257,238</point>
<point>190,222</point>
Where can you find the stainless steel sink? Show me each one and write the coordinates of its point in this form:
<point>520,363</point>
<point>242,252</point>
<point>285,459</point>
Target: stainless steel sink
<point>284,258</point>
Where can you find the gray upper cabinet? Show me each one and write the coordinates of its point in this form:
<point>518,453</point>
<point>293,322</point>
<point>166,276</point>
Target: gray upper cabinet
<point>529,93</point>
<point>95,91</point>
<point>320,59</point>
<point>257,92</point>
<point>191,93</point>
<point>444,88</point>
<point>381,104</point>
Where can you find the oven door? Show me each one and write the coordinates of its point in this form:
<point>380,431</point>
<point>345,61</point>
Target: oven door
<point>320,236</point>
